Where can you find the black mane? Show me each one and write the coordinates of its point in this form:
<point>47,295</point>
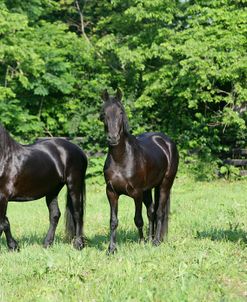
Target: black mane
<point>7,143</point>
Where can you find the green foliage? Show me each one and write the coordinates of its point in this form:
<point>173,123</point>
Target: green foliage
<point>181,65</point>
<point>94,171</point>
<point>199,168</point>
<point>44,73</point>
<point>230,172</point>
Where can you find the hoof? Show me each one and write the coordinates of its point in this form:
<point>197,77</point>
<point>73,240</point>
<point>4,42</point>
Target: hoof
<point>78,244</point>
<point>47,244</point>
<point>141,240</point>
<point>111,250</point>
<point>13,246</point>
<point>156,242</point>
<point>148,240</point>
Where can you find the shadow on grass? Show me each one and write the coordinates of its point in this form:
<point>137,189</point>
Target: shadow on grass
<point>232,234</point>
<point>97,241</point>
<point>123,236</point>
<point>32,239</point>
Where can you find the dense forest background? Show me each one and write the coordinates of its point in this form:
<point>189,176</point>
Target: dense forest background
<point>182,67</point>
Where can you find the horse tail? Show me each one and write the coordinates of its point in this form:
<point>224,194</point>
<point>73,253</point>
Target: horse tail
<point>83,203</point>
<point>164,227</point>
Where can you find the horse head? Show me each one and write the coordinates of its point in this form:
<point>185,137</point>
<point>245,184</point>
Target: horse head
<point>114,117</point>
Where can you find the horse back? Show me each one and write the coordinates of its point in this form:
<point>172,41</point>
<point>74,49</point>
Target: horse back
<point>159,148</point>
<point>44,167</point>
<point>67,157</point>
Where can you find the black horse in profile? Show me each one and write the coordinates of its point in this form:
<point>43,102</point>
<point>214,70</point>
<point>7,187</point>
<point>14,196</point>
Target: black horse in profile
<point>135,165</point>
<point>29,172</point>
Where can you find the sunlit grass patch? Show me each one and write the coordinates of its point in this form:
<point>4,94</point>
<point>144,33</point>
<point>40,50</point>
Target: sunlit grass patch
<point>204,258</point>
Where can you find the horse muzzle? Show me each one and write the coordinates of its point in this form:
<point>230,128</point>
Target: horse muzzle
<point>113,140</point>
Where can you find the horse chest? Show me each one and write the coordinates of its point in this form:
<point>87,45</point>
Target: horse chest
<point>123,182</point>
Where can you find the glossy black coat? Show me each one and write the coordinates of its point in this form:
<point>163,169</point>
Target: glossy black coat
<point>29,172</point>
<point>133,167</point>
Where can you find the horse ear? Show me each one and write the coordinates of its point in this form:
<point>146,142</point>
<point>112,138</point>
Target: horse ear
<point>105,95</point>
<point>119,94</point>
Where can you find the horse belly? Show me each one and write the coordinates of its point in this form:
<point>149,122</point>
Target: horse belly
<point>32,185</point>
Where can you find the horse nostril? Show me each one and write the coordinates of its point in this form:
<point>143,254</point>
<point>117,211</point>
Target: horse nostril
<point>110,137</point>
<point>113,139</point>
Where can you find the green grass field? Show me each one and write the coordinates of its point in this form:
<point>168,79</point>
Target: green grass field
<point>204,259</point>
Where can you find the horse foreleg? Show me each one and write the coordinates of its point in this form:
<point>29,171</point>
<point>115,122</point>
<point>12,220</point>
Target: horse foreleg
<point>54,215</point>
<point>3,210</point>
<point>5,225</point>
<point>113,200</point>
<point>11,242</point>
<point>138,216</point>
<point>147,199</point>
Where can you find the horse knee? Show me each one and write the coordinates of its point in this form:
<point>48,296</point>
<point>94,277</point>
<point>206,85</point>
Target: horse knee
<point>163,206</point>
<point>113,223</point>
<point>4,225</point>
<point>160,214</point>
<point>138,222</point>
<point>55,216</point>
<point>1,228</point>
<point>150,213</point>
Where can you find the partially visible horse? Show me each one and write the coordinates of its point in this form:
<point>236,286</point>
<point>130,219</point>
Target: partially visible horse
<point>29,172</point>
<point>135,165</point>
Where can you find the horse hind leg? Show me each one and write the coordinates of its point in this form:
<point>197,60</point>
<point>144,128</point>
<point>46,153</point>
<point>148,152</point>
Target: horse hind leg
<point>54,215</point>
<point>156,205</point>
<point>74,214</point>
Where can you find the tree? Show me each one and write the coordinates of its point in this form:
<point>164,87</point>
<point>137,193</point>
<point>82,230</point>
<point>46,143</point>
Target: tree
<point>181,65</point>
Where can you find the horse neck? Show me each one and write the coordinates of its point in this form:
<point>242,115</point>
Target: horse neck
<point>125,148</point>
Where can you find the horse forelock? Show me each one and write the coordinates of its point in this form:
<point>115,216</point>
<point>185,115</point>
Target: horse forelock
<point>114,102</point>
